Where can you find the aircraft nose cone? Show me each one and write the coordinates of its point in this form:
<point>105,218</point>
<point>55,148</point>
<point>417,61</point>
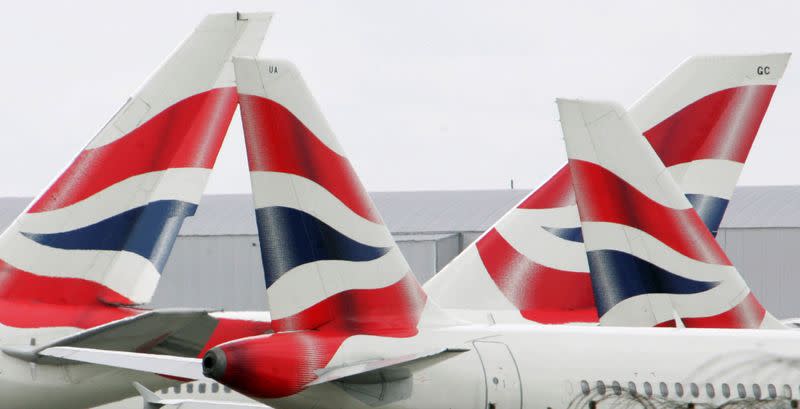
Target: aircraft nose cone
<point>214,363</point>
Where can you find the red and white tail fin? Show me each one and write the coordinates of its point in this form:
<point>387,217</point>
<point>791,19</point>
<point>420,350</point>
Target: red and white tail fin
<point>329,260</point>
<point>650,256</point>
<point>101,233</point>
<point>705,143</point>
<point>701,120</point>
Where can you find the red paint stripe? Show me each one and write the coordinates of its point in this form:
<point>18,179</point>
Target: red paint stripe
<point>392,309</point>
<point>277,141</point>
<point>605,197</point>
<point>23,314</point>
<point>186,135</point>
<point>556,192</point>
<point>721,125</point>
<point>748,314</point>
<point>16,284</point>
<point>31,301</point>
<point>541,293</point>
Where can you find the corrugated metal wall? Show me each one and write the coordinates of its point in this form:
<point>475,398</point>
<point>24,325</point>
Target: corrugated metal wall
<point>213,272</point>
<point>225,271</point>
<point>769,260</point>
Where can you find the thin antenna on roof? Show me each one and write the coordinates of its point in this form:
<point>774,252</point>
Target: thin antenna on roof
<point>512,184</point>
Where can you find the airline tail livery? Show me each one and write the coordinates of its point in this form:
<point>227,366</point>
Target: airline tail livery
<point>701,121</point>
<point>90,249</point>
<point>652,261</point>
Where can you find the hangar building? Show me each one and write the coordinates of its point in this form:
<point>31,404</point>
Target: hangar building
<point>216,261</point>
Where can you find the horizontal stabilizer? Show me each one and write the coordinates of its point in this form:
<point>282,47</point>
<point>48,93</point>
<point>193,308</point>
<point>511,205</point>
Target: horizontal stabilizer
<point>362,370</point>
<point>169,332</point>
<point>174,366</point>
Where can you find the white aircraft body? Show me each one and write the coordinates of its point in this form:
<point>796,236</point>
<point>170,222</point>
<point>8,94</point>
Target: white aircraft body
<point>354,329</point>
<point>185,396</point>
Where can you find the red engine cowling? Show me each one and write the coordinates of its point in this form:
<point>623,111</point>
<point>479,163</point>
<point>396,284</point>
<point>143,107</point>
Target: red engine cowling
<point>272,366</point>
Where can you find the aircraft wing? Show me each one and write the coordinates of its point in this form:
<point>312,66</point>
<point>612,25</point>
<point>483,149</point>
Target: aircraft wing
<point>383,369</point>
<point>191,368</point>
<point>178,332</point>
<point>174,366</point>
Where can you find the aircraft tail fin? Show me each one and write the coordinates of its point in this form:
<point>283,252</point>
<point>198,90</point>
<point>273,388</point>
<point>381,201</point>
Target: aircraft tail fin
<point>101,233</point>
<point>328,258</point>
<point>701,120</point>
<point>650,256</point>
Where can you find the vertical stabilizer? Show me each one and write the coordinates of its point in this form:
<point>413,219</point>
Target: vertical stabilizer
<point>650,255</point>
<point>701,120</point>
<point>328,258</point>
<point>101,233</point>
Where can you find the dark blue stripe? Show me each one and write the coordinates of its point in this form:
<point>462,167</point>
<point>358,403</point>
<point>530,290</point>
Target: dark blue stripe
<point>567,233</point>
<point>290,237</point>
<point>711,209</point>
<point>148,231</point>
<point>617,276</point>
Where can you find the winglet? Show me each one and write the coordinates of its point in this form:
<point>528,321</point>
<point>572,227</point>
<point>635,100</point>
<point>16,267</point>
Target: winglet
<point>150,399</point>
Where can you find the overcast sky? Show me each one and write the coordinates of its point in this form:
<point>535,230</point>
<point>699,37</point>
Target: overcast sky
<point>422,94</point>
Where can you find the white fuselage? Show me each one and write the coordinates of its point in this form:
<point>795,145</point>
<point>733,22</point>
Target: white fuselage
<point>528,366</point>
<point>27,385</point>
<point>199,394</point>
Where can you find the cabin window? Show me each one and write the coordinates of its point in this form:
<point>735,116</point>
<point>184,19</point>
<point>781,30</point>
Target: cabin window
<point>632,388</point>
<point>710,390</point>
<point>201,388</point>
<point>601,388</point>
<point>189,388</point>
<point>787,391</point>
<point>616,388</point>
<point>678,389</point>
<point>694,389</point>
<point>227,389</point>
<point>648,389</point>
<point>663,388</point>
<point>773,393</point>
<point>177,388</point>
<point>757,391</point>
<point>214,387</point>
<point>585,388</point>
<point>726,390</point>
<point>741,390</point>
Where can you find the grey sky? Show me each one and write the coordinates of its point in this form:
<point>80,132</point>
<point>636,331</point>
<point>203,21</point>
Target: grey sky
<point>422,94</point>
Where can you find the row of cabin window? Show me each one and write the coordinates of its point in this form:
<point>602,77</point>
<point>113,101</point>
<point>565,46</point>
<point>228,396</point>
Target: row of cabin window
<point>694,389</point>
<point>201,388</point>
